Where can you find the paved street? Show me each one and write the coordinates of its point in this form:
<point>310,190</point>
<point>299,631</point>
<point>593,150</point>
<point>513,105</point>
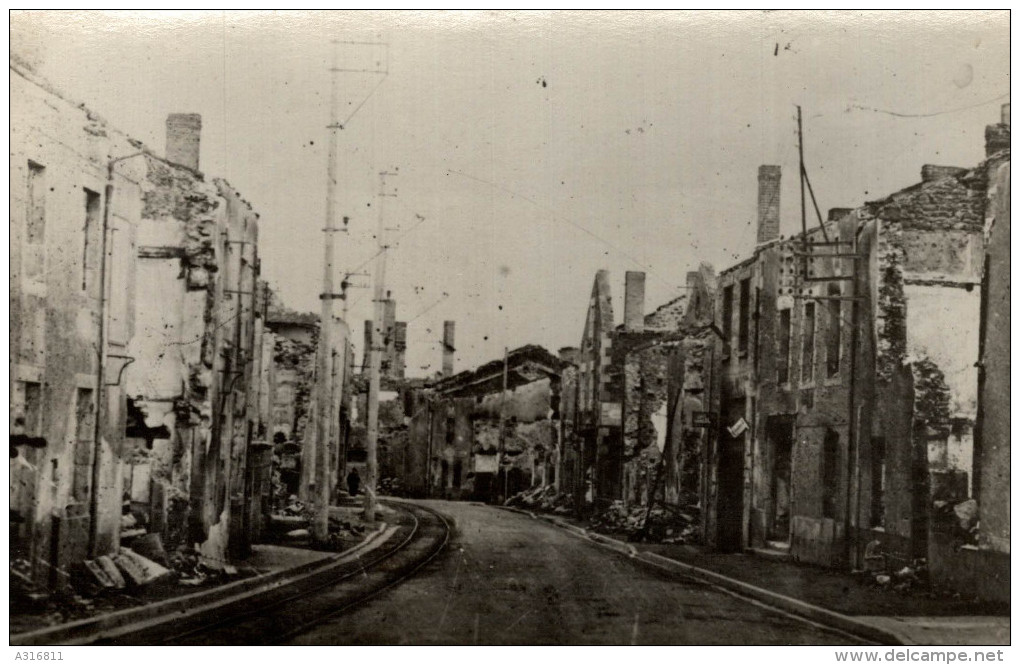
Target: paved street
<point>508,579</point>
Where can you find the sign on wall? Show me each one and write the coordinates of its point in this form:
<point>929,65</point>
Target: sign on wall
<point>485,463</point>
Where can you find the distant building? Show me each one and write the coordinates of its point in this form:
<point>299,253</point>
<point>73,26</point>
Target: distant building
<point>479,444</point>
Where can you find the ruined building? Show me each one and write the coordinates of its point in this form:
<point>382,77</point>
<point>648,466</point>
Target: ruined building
<point>137,312</point>
<point>844,381</point>
<point>482,444</point>
<point>75,208</point>
<point>976,561</point>
<point>620,410</point>
<point>294,338</point>
<point>194,384</point>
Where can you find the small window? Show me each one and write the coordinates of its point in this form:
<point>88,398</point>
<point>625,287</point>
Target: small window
<point>35,229</point>
<point>450,431</point>
<point>33,408</point>
<point>783,360</point>
<point>85,422</point>
<point>744,321</point>
<point>807,365</point>
<point>90,240</point>
<point>727,315</point>
<point>833,336</point>
<point>85,413</point>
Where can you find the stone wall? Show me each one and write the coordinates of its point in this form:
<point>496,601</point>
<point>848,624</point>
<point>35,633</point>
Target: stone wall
<point>67,484</point>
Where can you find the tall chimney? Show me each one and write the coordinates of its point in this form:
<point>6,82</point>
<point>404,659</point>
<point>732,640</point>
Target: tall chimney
<point>183,136</point>
<point>448,348</point>
<point>768,202</point>
<point>634,301</point>
<point>997,136</point>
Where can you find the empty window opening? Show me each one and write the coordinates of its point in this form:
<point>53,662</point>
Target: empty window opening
<point>727,315</point>
<point>833,333</point>
<point>35,229</point>
<point>90,243</point>
<point>744,322</point>
<point>783,359</point>
<point>807,365</point>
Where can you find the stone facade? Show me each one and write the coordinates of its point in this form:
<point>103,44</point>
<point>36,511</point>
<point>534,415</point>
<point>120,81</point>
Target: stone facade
<point>138,313</point>
<point>845,382</point>
<point>73,224</point>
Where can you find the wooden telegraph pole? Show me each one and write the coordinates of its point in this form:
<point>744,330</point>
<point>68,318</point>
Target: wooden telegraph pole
<point>375,356</point>
<point>324,359</point>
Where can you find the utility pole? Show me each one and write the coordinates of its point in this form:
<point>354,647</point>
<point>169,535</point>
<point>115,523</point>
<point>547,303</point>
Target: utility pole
<point>375,356</point>
<point>837,253</point>
<point>324,391</point>
<point>502,424</point>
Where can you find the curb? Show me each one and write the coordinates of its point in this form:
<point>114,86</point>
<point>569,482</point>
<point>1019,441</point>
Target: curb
<point>775,600</point>
<point>191,605</point>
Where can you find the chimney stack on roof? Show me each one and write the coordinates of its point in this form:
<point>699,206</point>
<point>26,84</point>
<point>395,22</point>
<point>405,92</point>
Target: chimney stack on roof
<point>570,354</point>
<point>836,214</point>
<point>997,136</point>
<point>183,139</point>
<point>448,348</point>
<point>768,202</point>
<point>634,301</point>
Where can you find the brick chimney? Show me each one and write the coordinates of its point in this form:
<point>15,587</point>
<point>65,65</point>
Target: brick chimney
<point>183,138</point>
<point>997,136</point>
<point>768,202</point>
<point>570,354</point>
<point>836,214</point>
<point>448,348</point>
<point>634,301</point>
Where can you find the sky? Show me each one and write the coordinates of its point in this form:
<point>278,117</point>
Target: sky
<point>531,149</point>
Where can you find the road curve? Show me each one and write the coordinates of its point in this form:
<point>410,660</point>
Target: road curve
<point>508,579</point>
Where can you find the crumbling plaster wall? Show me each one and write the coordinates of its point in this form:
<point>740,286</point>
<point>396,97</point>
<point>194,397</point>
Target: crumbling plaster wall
<point>55,315</point>
<point>926,272</point>
<point>173,379</point>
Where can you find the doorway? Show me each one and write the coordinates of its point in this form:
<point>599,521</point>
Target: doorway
<point>779,433</point>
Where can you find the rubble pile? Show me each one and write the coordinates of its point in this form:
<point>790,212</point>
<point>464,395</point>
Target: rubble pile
<point>544,498</point>
<point>666,523</point>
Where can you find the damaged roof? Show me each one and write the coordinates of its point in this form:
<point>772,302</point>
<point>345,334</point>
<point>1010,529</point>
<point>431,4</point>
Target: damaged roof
<point>524,365</point>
